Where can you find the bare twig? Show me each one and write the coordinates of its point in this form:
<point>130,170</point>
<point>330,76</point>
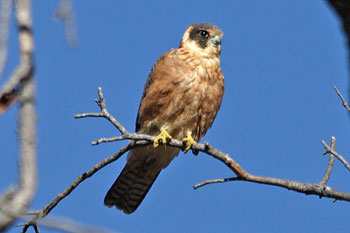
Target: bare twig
<point>306,188</point>
<point>105,140</point>
<point>25,228</point>
<point>345,104</point>
<point>104,113</point>
<point>330,163</point>
<point>36,229</point>
<point>318,189</point>
<point>47,209</point>
<point>14,205</point>
<point>338,156</point>
<point>222,180</point>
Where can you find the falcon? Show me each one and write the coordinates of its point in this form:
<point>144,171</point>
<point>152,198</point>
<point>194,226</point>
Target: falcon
<point>181,98</point>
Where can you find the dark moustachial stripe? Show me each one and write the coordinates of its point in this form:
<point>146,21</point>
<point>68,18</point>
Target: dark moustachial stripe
<point>195,34</point>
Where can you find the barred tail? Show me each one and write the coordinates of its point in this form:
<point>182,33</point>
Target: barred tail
<point>131,186</point>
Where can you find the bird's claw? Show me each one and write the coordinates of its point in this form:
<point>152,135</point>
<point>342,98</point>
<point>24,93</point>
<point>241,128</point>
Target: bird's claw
<point>161,138</point>
<point>189,141</point>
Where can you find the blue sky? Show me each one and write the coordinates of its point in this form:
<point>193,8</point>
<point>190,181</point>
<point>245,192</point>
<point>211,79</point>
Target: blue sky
<point>280,60</point>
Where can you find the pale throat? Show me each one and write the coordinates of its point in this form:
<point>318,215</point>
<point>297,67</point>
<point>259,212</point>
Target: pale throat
<point>210,52</point>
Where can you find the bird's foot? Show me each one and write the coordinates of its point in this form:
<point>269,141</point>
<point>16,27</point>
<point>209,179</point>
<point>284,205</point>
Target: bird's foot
<point>189,141</point>
<point>161,138</point>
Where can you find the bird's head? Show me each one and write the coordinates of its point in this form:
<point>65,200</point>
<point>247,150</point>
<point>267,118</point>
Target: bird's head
<point>203,39</point>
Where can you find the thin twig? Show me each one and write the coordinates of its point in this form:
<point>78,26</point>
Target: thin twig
<point>104,113</point>
<point>330,163</point>
<point>222,180</point>
<point>89,114</point>
<point>338,156</point>
<point>36,229</point>
<point>47,209</point>
<point>345,104</point>
<point>106,140</point>
<point>306,188</point>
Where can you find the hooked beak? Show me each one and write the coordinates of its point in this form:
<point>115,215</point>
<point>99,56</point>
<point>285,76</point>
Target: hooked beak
<point>215,40</point>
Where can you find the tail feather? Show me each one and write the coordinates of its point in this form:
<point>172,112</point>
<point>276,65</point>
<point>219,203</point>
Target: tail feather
<point>142,169</point>
<point>131,187</point>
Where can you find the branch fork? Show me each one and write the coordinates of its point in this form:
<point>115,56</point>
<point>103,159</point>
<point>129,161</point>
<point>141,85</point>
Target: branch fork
<point>320,189</point>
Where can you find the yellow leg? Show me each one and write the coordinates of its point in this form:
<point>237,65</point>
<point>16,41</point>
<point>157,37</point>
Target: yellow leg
<point>163,137</point>
<point>189,141</point>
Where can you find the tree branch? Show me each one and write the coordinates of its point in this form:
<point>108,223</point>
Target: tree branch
<point>214,181</point>
<point>338,156</point>
<point>104,113</point>
<point>14,202</point>
<point>319,189</point>
<point>10,93</point>
<point>345,104</point>
<point>322,182</point>
<point>330,163</point>
<point>47,209</point>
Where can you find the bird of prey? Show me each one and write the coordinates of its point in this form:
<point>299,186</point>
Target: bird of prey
<point>181,98</point>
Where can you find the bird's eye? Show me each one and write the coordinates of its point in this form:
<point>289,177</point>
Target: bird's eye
<point>203,33</point>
